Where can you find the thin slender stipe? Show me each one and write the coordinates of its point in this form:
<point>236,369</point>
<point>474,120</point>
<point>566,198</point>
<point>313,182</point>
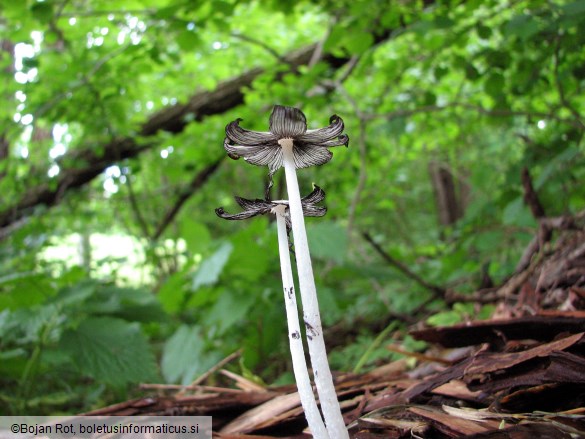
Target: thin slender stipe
<point>312,319</point>
<point>291,145</point>
<point>294,332</point>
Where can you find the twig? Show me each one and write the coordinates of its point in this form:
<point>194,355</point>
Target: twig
<point>261,44</point>
<point>95,13</point>
<point>13,226</point>
<point>318,52</point>
<point>211,371</point>
<point>544,234</point>
<point>191,387</point>
<point>530,196</point>
<point>242,382</point>
<point>198,181</point>
<point>134,204</point>
<point>84,82</point>
<point>494,113</point>
<point>350,67</point>
<point>438,292</point>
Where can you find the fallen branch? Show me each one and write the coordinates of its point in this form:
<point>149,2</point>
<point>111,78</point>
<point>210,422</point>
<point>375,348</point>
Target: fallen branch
<point>174,119</point>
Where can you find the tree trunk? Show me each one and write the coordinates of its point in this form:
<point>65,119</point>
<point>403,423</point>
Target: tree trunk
<point>450,193</point>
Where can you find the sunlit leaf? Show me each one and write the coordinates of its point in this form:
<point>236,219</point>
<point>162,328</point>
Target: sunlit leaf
<point>210,269</point>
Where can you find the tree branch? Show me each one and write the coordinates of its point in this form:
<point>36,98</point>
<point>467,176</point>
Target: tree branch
<point>174,119</point>
<point>261,44</point>
<point>477,108</point>
<point>199,180</point>
<point>136,209</point>
<point>438,292</point>
<point>530,196</point>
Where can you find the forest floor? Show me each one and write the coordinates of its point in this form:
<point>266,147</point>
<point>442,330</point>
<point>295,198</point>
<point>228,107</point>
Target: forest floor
<point>520,374</point>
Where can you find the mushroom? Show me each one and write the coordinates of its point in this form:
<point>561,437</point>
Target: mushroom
<point>280,209</point>
<point>290,145</point>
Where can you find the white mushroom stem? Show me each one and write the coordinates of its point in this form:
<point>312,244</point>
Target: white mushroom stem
<point>312,319</point>
<point>312,414</point>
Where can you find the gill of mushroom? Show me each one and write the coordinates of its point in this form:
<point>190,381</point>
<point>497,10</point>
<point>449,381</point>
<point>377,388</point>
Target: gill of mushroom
<point>290,145</point>
<point>280,209</point>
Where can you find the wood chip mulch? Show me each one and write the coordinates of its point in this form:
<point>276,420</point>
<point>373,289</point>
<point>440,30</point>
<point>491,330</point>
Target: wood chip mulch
<point>519,375</point>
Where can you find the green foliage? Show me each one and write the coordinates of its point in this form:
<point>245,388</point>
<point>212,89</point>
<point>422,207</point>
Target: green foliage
<point>482,89</point>
<point>210,269</point>
<point>110,350</point>
<point>184,356</point>
<point>328,241</point>
<point>85,329</point>
<point>459,313</point>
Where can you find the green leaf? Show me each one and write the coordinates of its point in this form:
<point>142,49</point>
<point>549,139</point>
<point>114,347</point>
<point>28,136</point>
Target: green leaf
<point>210,269</point>
<point>42,11</point>
<point>229,310</point>
<point>358,42</point>
<point>445,318</point>
<point>75,295</point>
<point>554,165</point>
<point>575,8</point>
<point>134,304</point>
<point>196,235</point>
<point>523,26</point>
<point>330,311</point>
<point>172,293</point>
<point>442,22</point>
<point>517,214</point>
<point>429,98</point>
<point>471,72</point>
<point>494,85</point>
<point>250,260</point>
<point>439,72</point>
<point>184,356</point>
<point>327,240</point>
<point>24,289</point>
<point>483,32</point>
<point>188,40</point>
<point>110,350</point>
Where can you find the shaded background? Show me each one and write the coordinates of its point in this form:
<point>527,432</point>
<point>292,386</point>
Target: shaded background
<point>114,269</point>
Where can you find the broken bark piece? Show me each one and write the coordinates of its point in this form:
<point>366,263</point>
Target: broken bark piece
<point>457,389</point>
<point>492,361</point>
<point>566,367</point>
<point>261,415</point>
<point>551,397</point>
<point>450,425</point>
<point>542,328</point>
<point>524,431</point>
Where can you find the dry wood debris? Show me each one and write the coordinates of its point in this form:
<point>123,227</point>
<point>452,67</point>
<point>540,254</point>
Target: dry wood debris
<point>519,375</point>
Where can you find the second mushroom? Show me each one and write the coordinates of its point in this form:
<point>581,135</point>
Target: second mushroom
<point>291,145</point>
